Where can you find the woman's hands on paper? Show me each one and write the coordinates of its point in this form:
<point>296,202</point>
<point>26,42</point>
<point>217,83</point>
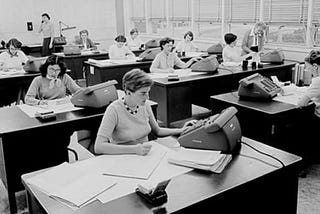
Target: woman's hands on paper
<point>143,149</point>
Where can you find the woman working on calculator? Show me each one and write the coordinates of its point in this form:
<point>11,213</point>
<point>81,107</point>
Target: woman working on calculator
<point>52,84</point>
<point>127,122</point>
<point>167,59</point>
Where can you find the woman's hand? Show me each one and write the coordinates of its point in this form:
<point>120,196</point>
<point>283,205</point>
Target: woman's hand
<point>43,102</point>
<point>143,149</point>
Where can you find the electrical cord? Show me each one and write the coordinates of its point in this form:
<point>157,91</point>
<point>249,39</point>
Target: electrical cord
<point>282,164</point>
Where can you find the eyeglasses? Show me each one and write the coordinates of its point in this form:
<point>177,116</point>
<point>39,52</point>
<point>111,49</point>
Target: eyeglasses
<point>54,70</point>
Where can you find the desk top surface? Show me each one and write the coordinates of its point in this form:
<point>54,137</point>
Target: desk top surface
<point>223,71</point>
<point>242,170</point>
<point>83,54</point>
<point>13,119</point>
<point>268,107</point>
<point>19,75</point>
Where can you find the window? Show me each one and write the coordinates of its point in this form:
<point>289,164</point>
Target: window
<point>315,34</point>
<point>241,15</point>
<point>138,15</point>
<point>180,17</point>
<point>158,17</point>
<point>287,21</point>
<point>207,19</point>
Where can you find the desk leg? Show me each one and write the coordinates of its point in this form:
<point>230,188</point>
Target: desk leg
<point>3,176</point>
<point>34,207</point>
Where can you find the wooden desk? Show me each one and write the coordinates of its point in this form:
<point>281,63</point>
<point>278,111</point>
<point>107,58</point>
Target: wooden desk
<point>96,74</point>
<point>14,87</point>
<point>26,144</point>
<point>75,62</point>
<point>175,97</point>
<point>271,122</point>
<point>252,183</point>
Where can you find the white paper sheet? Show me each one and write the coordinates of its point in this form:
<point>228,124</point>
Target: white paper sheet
<point>110,62</point>
<point>132,166</point>
<point>12,72</point>
<point>70,185</point>
<point>195,54</point>
<point>180,72</point>
<point>292,94</point>
<point>164,171</point>
<point>57,106</point>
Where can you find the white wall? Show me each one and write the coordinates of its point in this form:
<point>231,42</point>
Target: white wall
<point>97,16</point>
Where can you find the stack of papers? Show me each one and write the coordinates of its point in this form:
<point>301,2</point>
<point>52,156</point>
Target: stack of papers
<point>180,72</point>
<point>12,72</point>
<point>110,62</point>
<point>291,94</point>
<point>70,185</point>
<point>206,160</point>
<point>56,106</point>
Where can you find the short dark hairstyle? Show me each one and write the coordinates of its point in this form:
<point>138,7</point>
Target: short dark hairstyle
<point>189,33</point>
<point>134,30</point>
<point>136,79</point>
<point>14,42</point>
<point>53,60</point>
<point>229,38</point>
<point>120,38</point>
<point>46,14</point>
<point>165,41</point>
<point>313,57</point>
<point>84,31</point>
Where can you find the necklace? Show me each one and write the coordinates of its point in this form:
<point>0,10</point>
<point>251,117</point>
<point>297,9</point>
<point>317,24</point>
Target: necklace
<point>133,112</point>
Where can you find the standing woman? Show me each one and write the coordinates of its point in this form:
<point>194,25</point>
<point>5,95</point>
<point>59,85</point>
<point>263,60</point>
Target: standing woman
<point>47,29</point>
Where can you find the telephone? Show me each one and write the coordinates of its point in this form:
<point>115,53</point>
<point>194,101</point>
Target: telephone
<point>258,87</point>
<point>220,132</point>
<point>96,96</point>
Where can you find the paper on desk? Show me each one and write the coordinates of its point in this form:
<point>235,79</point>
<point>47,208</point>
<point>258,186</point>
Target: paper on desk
<point>292,94</point>
<point>70,185</point>
<point>57,106</point>
<point>195,54</point>
<point>125,186</point>
<point>12,72</point>
<point>180,72</point>
<point>127,165</point>
<point>110,62</point>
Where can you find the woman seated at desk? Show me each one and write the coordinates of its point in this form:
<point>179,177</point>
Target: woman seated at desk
<point>120,50</point>
<point>52,84</point>
<point>186,45</point>
<point>309,131</point>
<point>128,121</point>
<point>134,42</point>
<point>232,53</point>
<point>84,40</point>
<point>167,59</point>
<point>13,58</point>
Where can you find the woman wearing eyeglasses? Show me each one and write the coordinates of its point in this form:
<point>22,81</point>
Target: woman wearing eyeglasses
<point>54,83</point>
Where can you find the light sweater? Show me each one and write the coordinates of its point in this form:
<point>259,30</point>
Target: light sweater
<point>40,89</point>
<point>120,126</point>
